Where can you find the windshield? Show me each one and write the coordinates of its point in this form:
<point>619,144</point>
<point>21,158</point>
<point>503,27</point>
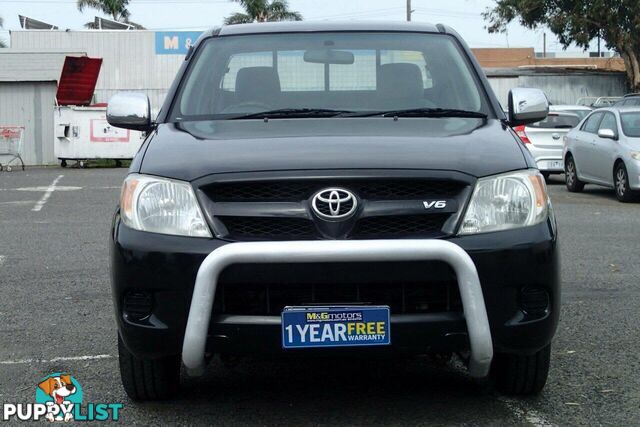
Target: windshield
<point>553,121</point>
<point>631,124</point>
<point>325,73</point>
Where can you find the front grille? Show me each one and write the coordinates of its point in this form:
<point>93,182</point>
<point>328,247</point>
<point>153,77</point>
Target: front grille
<point>283,210</point>
<point>379,227</point>
<point>408,189</point>
<point>256,228</point>
<point>399,226</point>
<point>281,191</point>
<point>259,191</point>
<point>407,288</point>
<point>264,300</point>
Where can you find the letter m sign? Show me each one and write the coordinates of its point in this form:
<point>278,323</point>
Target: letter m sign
<point>171,43</point>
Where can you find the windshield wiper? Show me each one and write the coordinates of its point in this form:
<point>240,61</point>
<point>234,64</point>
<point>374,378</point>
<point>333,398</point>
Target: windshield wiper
<point>292,113</point>
<point>421,112</point>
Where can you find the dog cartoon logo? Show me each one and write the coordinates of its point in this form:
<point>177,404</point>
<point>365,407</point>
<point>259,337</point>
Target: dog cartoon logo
<point>60,392</point>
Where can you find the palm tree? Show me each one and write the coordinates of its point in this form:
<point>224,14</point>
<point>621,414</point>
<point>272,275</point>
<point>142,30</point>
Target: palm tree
<point>263,11</point>
<point>2,43</point>
<point>116,9</point>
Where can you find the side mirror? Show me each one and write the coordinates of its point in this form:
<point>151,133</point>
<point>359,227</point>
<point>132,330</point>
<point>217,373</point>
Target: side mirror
<point>129,110</point>
<point>608,134</point>
<point>527,106</point>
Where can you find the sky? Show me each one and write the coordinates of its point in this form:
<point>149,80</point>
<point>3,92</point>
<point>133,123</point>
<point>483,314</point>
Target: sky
<point>463,15</point>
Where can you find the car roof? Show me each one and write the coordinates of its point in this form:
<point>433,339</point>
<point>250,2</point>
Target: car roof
<point>632,95</point>
<point>618,109</point>
<point>321,26</point>
<point>627,109</point>
<point>569,107</point>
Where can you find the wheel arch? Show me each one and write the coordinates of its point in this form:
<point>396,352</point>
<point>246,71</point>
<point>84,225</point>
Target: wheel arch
<point>566,156</point>
<point>617,161</point>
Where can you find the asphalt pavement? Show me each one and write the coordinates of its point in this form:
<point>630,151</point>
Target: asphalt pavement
<point>56,315</point>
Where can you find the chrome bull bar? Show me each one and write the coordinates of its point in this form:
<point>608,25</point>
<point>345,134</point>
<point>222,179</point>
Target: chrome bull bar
<point>475,313</point>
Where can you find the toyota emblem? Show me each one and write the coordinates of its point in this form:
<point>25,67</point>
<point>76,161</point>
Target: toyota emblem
<point>334,204</point>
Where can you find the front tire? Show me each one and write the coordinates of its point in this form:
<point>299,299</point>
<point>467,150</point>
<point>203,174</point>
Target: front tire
<point>574,184</point>
<point>148,379</point>
<point>521,375</point>
<point>624,193</point>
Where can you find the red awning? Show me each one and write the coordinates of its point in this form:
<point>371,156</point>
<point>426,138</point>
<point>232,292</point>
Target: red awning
<point>78,80</point>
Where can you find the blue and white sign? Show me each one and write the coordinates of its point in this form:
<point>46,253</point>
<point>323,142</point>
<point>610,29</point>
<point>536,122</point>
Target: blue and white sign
<point>175,42</point>
<point>335,326</point>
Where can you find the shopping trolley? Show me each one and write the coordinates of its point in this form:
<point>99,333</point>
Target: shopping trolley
<point>11,145</point>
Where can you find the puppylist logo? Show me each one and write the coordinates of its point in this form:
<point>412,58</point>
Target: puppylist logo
<point>59,398</point>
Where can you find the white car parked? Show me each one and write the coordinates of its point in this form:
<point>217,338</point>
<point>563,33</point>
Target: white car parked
<point>605,150</point>
<point>544,140</point>
<point>581,111</point>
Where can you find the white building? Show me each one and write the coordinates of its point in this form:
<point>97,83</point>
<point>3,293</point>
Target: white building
<point>144,61</point>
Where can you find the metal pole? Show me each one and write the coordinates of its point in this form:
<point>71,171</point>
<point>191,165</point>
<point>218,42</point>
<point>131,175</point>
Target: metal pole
<point>544,45</point>
<point>408,10</point>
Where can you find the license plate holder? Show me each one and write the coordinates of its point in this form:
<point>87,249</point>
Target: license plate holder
<point>552,165</point>
<point>335,326</point>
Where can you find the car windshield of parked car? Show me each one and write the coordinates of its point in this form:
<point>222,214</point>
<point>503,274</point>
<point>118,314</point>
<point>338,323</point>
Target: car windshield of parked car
<point>326,74</point>
<point>631,124</point>
<point>554,121</point>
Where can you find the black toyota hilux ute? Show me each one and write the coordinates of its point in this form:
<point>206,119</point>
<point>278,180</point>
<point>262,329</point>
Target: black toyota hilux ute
<point>345,189</point>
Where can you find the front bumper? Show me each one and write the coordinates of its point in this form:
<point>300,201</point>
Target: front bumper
<point>633,170</point>
<point>166,266</point>
<point>195,340</point>
<point>547,159</point>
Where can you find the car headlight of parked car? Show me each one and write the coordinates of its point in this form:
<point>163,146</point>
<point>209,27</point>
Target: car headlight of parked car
<point>635,155</point>
<point>507,201</point>
<point>160,205</point>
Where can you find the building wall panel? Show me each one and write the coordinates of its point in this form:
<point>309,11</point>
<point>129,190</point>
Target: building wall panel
<point>31,105</point>
<point>562,88</point>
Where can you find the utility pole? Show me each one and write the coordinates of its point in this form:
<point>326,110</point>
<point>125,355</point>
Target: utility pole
<point>409,11</point>
<point>544,45</point>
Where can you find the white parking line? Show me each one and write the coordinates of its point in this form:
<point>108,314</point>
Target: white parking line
<point>40,203</point>
<point>55,359</point>
<point>41,189</point>
<point>18,202</point>
<point>63,188</point>
<point>527,415</point>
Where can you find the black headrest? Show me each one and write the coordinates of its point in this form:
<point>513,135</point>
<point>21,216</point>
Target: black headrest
<point>257,84</point>
<point>401,83</point>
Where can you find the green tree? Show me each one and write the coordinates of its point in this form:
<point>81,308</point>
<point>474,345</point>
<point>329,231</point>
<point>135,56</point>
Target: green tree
<point>263,11</point>
<point>2,42</point>
<point>617,22</point>
<point>116,9</point>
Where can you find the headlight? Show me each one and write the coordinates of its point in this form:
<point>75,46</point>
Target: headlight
<point>635,155</point>
<point>511,200</point>
<point>161,205</point>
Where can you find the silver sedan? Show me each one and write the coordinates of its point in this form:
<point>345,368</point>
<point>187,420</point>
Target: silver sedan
<point>605,150</point>
<point>544,140</point>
